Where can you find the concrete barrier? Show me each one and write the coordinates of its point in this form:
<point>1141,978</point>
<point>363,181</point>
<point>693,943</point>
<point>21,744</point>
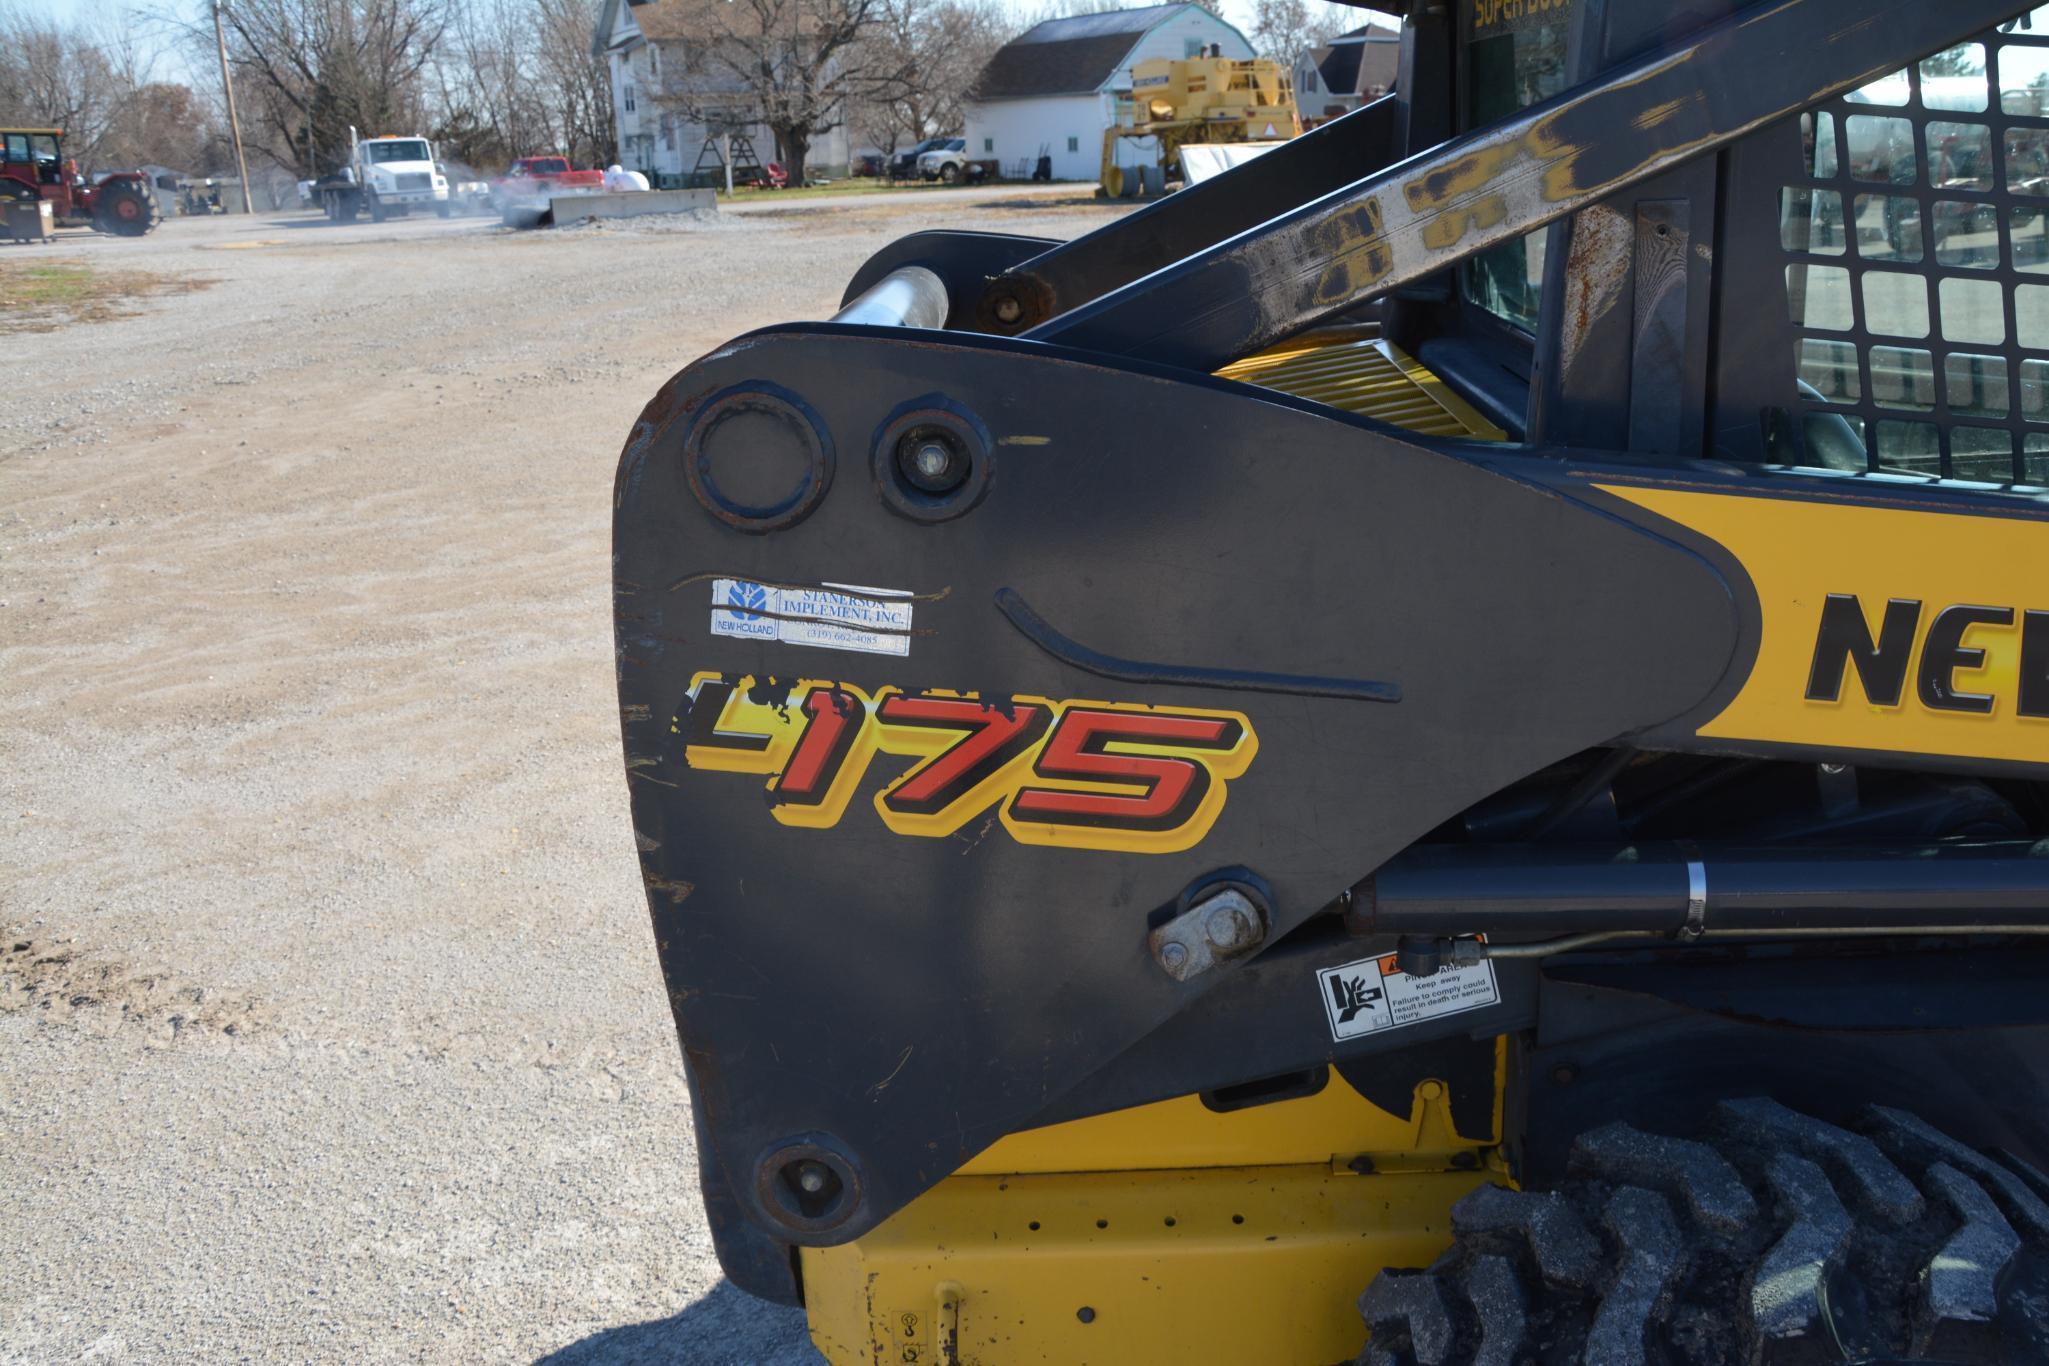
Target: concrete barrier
<point>574,208</point>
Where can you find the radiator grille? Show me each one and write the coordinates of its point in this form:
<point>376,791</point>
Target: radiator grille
<point>1362,374</point>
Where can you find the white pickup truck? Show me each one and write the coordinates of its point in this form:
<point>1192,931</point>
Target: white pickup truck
<point>388,176</point>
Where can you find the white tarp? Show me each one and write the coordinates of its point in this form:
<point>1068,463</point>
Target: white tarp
<point>1201,160</point>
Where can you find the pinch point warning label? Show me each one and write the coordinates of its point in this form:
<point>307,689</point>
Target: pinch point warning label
<point>1373,994</point>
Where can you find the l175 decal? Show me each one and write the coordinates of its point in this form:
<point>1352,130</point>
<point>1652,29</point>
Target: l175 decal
<point>1076,774</point>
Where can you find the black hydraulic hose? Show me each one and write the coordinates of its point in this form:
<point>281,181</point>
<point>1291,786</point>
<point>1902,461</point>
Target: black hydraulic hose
<point>1453,890</point>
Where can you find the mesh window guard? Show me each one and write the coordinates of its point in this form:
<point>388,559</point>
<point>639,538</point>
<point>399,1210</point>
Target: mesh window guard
<point>1917,264</point>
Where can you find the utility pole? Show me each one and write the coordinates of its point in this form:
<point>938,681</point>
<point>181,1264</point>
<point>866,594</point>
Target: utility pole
<point>234,121</point>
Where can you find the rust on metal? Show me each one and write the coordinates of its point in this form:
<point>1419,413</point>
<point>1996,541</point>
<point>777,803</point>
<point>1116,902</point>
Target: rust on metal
<point>1597,266</point>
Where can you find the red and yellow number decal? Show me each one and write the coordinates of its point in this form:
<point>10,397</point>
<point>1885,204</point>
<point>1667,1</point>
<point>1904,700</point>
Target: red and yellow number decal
<point>1081,775</point>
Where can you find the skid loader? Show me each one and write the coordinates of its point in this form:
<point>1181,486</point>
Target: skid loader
<point>1433,750</point>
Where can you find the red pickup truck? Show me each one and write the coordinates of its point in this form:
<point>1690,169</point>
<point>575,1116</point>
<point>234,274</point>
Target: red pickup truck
<point>545,175</point>
<point>521,195</point>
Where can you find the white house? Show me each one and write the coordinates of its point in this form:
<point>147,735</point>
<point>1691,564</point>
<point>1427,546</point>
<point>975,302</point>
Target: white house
<point>1054,90</point>
<point>1346,72</point>
<point>651,47</point>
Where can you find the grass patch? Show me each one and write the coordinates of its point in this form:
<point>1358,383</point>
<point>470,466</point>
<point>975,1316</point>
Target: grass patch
<point>45,296</point>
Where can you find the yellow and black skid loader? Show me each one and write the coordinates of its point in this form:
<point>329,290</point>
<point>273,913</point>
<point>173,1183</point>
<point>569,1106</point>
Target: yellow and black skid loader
<point>1433,750</point>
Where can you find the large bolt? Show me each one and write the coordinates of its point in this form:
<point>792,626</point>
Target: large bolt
<point>932,458</point>
<point>811,1177</point>
<point>1230,922</point>
<point>1227,926</point>
<point>1008,309</point>
<point>932,461</point>
<point>1173,955</point>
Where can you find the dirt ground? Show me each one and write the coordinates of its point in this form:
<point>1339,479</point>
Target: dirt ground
<point>330,1027</point>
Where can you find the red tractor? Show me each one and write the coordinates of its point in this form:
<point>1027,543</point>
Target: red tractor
<point>33,166</point>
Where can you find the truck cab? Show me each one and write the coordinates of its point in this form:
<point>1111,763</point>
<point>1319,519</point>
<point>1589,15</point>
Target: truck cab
<point>399,174</point>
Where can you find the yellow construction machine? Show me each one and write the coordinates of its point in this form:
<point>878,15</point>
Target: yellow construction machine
<point>1208,99</point>
<point>1432,750</point>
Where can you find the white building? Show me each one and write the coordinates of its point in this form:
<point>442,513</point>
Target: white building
<point>1346,72</point>
<point>660,79</point>
<point>1054,90</point>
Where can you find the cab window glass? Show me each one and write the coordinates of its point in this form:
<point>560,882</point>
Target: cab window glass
<point>1512,63</point>
<point>44,148</point>
<point>17,147</point>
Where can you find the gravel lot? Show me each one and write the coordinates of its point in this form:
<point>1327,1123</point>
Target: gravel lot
<point>330,1027</point>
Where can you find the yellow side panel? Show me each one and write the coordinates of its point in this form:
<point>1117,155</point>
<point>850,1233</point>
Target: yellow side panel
<point>1797,553</point>
<point>1226,1265</point>
<point>1165,1233</point>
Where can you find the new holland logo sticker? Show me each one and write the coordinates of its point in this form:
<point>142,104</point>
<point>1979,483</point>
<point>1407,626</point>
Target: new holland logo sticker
<point>1075,774</point>
<point>833,616</point>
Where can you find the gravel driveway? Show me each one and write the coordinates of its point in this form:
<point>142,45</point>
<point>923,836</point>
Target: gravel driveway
<point>330,1027</point>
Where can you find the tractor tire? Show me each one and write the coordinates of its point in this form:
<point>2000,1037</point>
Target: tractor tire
<point>124,211</point>
<point>1784,1240</point>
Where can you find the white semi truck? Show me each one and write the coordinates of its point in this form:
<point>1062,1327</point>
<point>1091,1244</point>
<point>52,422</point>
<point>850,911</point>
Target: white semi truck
<point>387,176</point>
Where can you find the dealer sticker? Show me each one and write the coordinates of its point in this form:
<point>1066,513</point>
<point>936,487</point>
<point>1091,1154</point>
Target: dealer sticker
<point>1373,994</point>
<point>833,616</point>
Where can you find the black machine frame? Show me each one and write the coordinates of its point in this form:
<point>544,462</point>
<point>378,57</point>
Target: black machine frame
<point>1536,631</point>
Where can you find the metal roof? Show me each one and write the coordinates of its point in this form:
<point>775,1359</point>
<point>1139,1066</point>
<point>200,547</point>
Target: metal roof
<point>1132,21</point>
<point>1076,56</point>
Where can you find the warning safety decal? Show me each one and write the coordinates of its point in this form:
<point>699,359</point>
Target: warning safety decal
<point>1373,994</point>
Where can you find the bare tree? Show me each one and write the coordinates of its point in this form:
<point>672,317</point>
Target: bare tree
<point>792,65</point>
<point>167,124</point>
<point>1284,29</point>
<point>487,108</point>
<point>94,80</point>
<point>57,75</point>
<point>516,77</point>
<point>920,59</point>
<point>574,80</point>
<point>313,68</point>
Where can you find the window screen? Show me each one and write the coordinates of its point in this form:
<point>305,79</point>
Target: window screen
<point>1916,240</point>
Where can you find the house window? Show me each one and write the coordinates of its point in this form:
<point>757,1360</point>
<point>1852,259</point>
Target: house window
<point>654,62</point>
<point>1074,144</point>
<point>668,132</point>
<point>629,97</point>
<point>1191,47</point>
<point>988,144</point>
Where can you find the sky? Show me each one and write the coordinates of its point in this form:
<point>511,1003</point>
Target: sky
<point>1238,12</point>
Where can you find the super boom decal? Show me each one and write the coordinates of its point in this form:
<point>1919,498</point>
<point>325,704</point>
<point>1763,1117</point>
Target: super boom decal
<point>1076,774</point>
